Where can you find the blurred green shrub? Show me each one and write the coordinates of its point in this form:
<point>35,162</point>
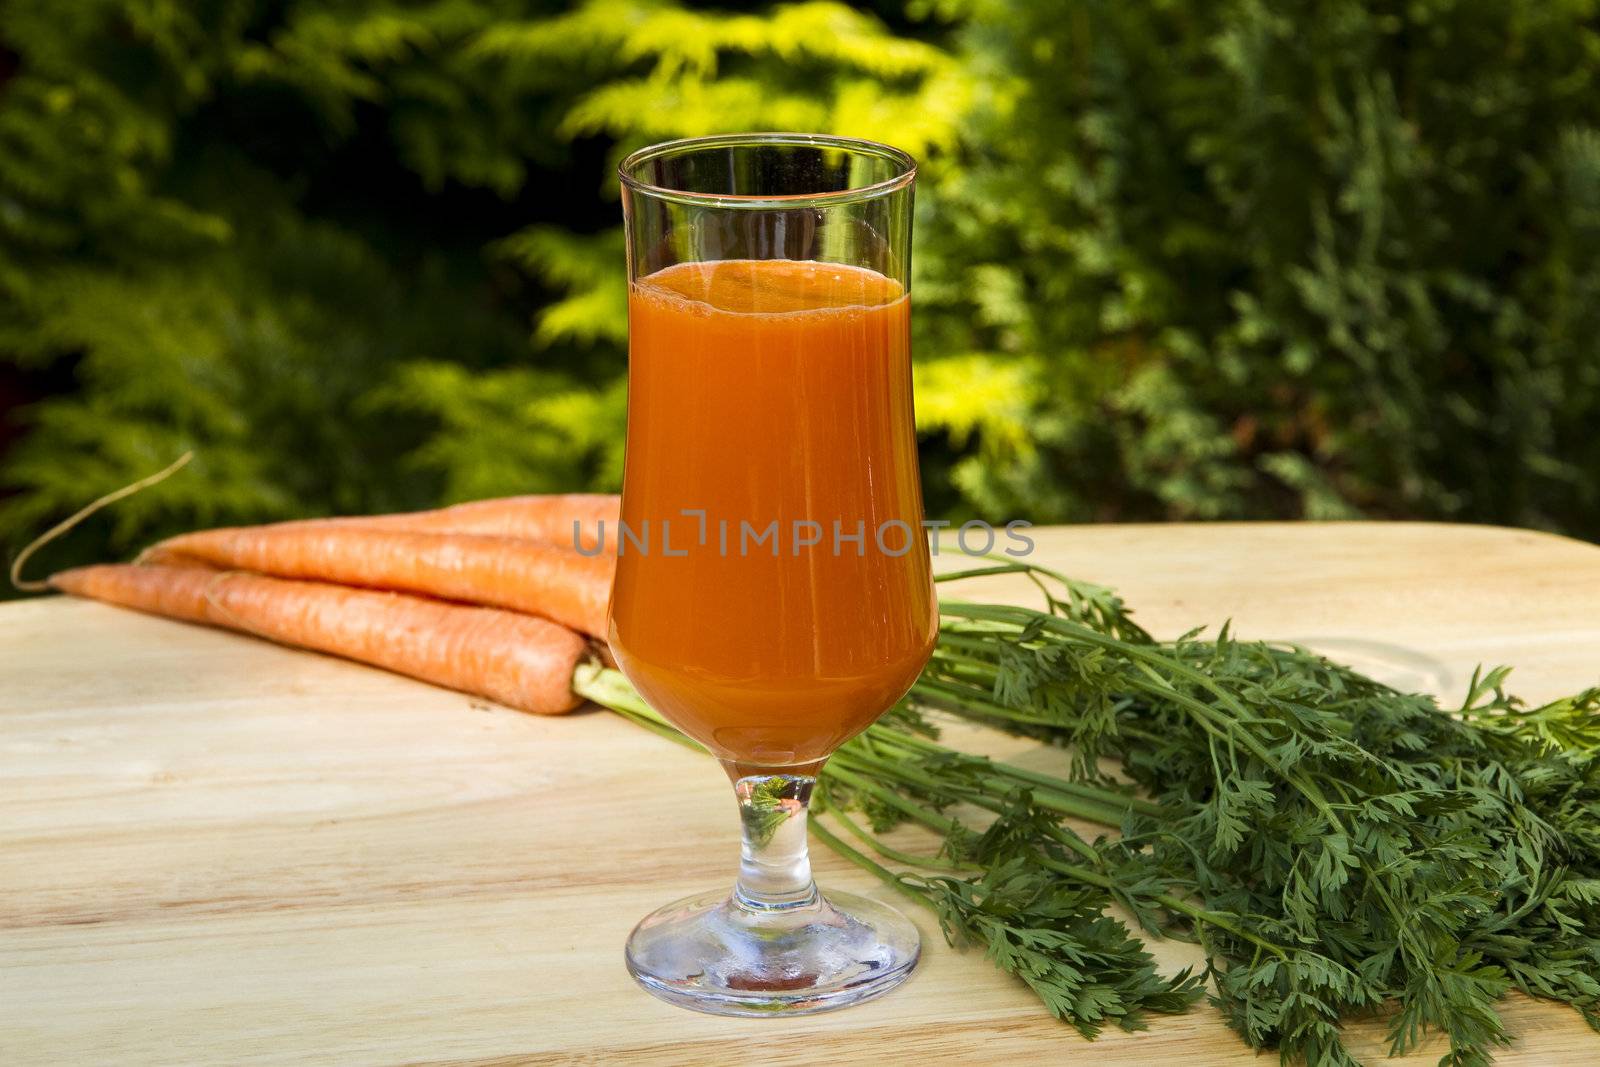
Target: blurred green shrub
<point>1318,260</point>
<point>307,239</point>
<point>1175,259</point>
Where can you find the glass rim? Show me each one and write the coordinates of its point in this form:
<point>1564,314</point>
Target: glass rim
<point>906,174</point>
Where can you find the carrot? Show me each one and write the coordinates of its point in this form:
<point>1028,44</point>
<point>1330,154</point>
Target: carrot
<point>504,572</point>
<point>520,661</point>
<point>571,520</point>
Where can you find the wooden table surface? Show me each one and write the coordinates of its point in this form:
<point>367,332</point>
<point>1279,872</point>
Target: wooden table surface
<point>213,850</point>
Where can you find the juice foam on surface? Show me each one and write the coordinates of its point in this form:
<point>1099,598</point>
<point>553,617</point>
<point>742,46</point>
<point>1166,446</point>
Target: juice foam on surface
<point>773,286</point>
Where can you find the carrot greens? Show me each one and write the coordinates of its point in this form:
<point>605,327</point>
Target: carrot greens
<point>1335,847</point>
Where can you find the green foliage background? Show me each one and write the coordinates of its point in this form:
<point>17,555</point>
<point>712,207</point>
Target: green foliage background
<point>1176,259</point>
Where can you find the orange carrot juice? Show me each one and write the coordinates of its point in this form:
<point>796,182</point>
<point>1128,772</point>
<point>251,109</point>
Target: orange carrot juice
<point>774,397</point>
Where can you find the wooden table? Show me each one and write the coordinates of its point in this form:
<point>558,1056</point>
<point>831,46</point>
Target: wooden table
<point>214,850</point>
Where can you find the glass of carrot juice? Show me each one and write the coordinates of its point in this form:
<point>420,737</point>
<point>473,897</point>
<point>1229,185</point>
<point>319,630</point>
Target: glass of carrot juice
<point>773,593</point>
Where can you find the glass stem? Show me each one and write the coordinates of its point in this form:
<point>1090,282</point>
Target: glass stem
<point>774,865</point>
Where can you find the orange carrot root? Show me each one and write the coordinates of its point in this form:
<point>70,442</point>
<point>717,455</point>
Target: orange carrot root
<point>549,519</point>
<point>520,661</point>
<point>557,583</point>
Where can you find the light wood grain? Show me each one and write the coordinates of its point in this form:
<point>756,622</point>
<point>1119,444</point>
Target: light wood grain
<point>217,851</point>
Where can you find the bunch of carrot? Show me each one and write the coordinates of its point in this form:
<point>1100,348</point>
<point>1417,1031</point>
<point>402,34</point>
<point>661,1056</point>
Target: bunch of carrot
<point>492,598</point>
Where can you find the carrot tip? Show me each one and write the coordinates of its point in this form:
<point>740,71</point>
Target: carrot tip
<point>66,525</point>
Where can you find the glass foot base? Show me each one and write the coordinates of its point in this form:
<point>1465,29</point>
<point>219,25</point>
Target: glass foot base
<point>713,954</point>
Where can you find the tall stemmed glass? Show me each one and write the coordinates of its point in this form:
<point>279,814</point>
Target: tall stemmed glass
<point>773,592</point>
